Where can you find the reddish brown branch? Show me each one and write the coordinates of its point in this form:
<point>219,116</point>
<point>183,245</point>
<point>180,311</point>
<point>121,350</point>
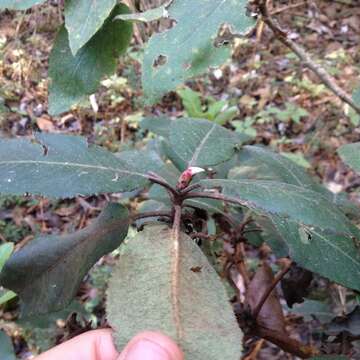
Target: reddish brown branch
<point>268,291</point>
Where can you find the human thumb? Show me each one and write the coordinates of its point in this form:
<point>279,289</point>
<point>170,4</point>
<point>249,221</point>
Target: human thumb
<point>151,346</point>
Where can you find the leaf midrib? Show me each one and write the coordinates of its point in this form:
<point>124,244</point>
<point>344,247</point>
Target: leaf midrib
<point>71,164</point>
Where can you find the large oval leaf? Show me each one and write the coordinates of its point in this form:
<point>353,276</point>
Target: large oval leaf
<point>350,154</point>
<point>47,272</point>
<point>199,142</point>
<point>334,256</point>
<point>259,163</point>
<point>74,77</point>
<point>63,166</point>
<point>289,201</point>
<point>188,48</point>
<point>83,18</point>
<point>188,302</point>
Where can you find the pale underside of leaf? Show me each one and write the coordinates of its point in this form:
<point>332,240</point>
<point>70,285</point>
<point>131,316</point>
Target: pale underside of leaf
<point>166,284</point>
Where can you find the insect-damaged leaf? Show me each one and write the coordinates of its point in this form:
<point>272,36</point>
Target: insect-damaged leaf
<point>289,201</point>
<point>83,18</point>
<point>334,256</point>
<point>350,154</point>
<point>63,166</point>
<point>188,49</point>
<point>74,77</point>
<point>187,302</point>
<point>19,4</point>
<point>47,272</point>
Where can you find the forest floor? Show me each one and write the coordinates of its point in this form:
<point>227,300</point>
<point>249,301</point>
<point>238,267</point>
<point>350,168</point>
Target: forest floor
<point>279,103</point>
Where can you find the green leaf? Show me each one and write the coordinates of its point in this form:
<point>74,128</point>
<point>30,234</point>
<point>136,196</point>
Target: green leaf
<point>6,296</point>
<point>199,142</point>
<point>158,286</point>
<point>159,125</point>
<point>47,272</point>
<point>76,168</point>
<point>6,347</point>
<point>83,18</point>
<point>339,255</point>
<point>42,330</point>
<point>74,77</point>
<point>312,308</point>
<point>263,164</point>
<point>192,102</point>
<point>5,252</point>
<point>188,47</point>
<point>292,202</point>
<point>334,256</point>
<point>350,154</point>
<point>146,16</point>
<point>19,4</point>
<point>226,115</point>
<point>356,96</point>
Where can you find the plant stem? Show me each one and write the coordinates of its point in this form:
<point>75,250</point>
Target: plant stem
<point>268,291</point>
<point>159,180</point>
<point>190,188</point>
<point>151,214</point>
<point>317,69</point>
<point>175,269</point>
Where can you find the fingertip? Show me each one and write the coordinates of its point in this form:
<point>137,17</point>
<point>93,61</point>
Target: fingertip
<point>151,345</point>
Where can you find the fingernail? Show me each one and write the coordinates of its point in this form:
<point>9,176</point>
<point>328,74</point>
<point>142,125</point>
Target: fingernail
<point>147,349</point>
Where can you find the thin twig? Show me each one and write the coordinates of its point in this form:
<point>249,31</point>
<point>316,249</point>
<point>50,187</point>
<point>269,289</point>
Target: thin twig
<point>288,7</point>
<point>190,188</point>
<point>268,291</point>
<point>160,181</point>
<point>151,214</point>
<point>317,69</point>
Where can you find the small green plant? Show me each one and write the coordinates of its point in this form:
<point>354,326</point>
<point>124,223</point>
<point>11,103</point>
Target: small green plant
<point>217,111</point>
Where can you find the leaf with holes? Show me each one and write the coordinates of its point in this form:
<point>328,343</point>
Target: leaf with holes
<point>19,4</point>
<point>334,256</point>
<point>148,15</point>
<point>303,206</point>
<point>76,168</point>
<point>74,77</point>
<point>155,287</point>
<point>83,18</point>
<point>188,49</point>
<point>350,154</point>
<point>47,272</point>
